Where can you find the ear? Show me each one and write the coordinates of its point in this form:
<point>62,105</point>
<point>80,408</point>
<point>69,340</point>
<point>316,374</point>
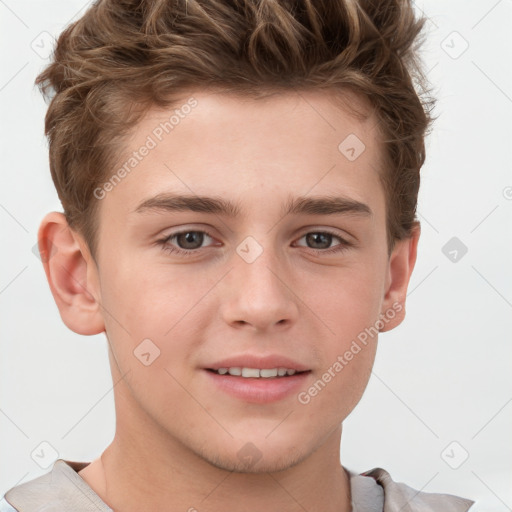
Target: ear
<point>400,267</point>
<point>72,275</point>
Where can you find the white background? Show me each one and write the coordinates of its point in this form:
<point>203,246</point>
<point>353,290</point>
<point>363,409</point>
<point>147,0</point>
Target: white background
<point>444,375</point>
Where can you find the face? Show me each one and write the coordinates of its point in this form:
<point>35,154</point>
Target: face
<point>267,269</point>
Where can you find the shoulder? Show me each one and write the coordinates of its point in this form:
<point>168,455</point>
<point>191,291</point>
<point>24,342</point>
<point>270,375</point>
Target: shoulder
<point>24,496</point>
<point>5,507</point>
<point>62,488</point>
<point>397,496</point>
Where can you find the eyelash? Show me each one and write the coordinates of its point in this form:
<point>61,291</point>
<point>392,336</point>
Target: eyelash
<point>164,242</point>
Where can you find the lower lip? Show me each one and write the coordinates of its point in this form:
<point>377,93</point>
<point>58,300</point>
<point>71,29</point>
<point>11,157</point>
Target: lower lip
<point>259,390</point>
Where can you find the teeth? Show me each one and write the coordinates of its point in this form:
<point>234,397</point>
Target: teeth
<point>250,372</point>
<point>256,372</point>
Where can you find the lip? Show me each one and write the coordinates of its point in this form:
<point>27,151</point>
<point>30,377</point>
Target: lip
<point>258,390</point>
<point>261,362</point>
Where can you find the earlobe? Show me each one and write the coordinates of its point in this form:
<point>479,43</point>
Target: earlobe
<point>400,267</point>
<point>66,262</point>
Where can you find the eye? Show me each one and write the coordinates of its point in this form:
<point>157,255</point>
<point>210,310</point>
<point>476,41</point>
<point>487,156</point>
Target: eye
<point>324,240</point>
<point>189,240</point>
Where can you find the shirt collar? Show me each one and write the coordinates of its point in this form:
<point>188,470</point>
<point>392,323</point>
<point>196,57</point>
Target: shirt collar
<point>373,491</point>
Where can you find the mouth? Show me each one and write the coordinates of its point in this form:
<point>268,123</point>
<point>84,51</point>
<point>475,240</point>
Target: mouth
<point>256,373</point>
<point>257,385</point>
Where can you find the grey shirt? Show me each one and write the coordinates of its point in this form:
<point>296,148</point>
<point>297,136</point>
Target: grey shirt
<point>63,489</point>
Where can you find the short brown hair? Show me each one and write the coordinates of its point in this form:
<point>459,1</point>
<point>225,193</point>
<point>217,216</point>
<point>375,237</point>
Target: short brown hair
<point>125,56</point>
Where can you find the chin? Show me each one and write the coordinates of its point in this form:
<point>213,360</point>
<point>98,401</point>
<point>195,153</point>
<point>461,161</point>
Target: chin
<point>251,459</point>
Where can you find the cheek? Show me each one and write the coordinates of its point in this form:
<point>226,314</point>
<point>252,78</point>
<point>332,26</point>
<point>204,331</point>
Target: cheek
<point>347,355</point>
<point>349,300</point>
<point>147,297</point>
<point>144,302</point>
<point>350,308</point>
<point>337,390</point>
<point>146,324</point>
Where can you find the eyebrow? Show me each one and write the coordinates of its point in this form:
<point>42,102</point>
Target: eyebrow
<point>319,205</point>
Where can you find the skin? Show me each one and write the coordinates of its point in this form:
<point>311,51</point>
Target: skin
<point>177,437</point>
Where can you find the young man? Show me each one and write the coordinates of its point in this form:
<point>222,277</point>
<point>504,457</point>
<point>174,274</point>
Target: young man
<point>239,182</point>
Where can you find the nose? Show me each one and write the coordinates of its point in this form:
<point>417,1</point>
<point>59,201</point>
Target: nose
<point>259,294</point>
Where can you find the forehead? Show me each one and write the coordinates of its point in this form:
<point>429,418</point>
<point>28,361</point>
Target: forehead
<point>251,149</point>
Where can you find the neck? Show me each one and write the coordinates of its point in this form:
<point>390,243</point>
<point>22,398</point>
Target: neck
<point>146,467</point>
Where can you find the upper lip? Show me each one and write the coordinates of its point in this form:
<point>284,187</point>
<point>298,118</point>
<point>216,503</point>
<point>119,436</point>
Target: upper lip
<point>261,362</point>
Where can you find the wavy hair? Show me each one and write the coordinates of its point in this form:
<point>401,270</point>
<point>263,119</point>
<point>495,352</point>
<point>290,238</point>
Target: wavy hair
<point>124,56</point>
